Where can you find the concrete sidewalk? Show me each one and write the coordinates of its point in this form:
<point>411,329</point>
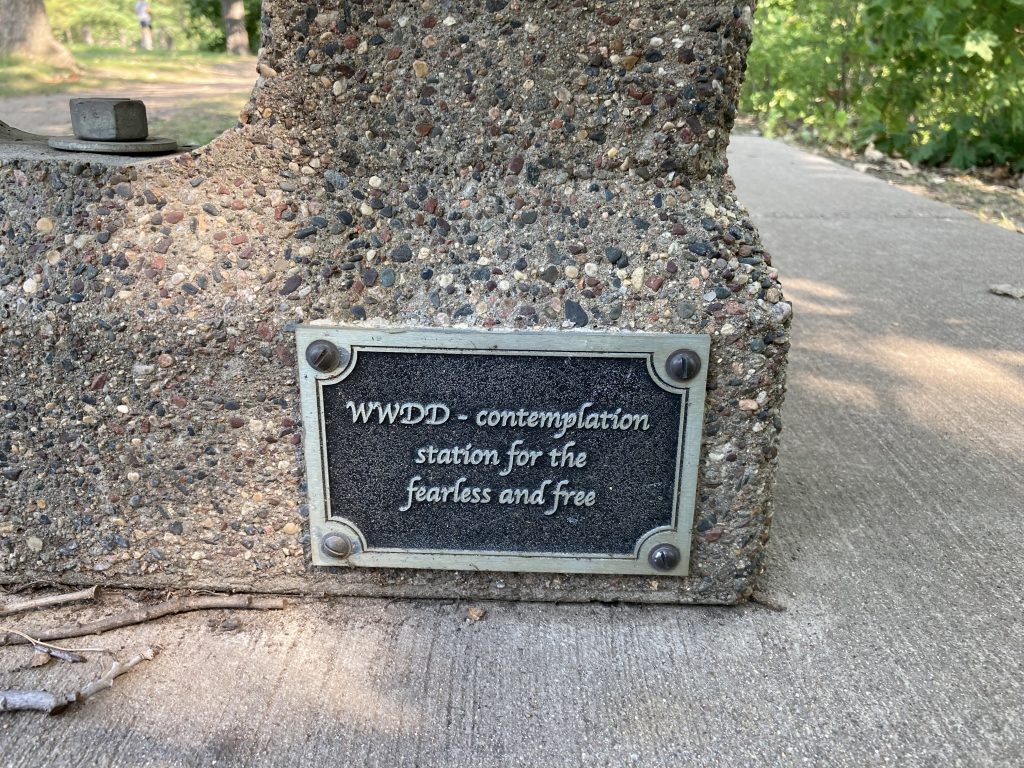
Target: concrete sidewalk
<point>897,551</point>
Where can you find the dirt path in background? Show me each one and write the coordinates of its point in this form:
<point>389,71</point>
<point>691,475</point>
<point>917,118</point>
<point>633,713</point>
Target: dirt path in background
<point>48,114</point>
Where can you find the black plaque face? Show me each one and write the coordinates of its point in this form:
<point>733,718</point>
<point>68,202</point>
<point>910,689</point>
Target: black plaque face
<point>501,451</point>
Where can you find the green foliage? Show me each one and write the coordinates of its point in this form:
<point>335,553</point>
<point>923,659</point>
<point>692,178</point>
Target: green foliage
<point>933,80</point>
<point>212,37</point>
<point>181,24</point>
<point>113,22</point>
<point>104,19</point>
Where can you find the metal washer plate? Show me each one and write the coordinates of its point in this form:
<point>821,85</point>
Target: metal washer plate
<point>151,146</point>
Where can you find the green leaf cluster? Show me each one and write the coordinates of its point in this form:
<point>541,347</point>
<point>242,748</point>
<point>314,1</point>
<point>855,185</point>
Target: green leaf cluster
<point>937,81</point>
<point>192,25</point>
<point>213,39</point>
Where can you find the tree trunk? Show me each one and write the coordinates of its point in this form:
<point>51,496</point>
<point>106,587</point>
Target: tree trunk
<point>25,31</point>
<point>237,38</point>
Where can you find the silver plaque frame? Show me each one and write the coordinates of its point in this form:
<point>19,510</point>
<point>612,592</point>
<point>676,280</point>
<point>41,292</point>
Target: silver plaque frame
<point>655,348</point>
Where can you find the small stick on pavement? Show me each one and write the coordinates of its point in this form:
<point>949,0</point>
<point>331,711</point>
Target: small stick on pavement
<point>140,615</point>
<point>38,701</point>
<point>52,704</point>
<point>67,654</point>
<point>115,671</point>
<point>45,602</point>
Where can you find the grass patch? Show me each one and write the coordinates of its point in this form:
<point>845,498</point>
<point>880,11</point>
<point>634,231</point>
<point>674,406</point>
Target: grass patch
<point>24,78</point>
<point>117,64</point>
<point>98,68</point>
<point>203,119</point>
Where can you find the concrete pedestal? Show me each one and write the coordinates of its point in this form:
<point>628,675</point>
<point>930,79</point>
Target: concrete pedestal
<point>492,165</point>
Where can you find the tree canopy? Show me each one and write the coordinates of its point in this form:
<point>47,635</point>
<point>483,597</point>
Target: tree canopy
<point>933,80</point>
<point>186,24</point>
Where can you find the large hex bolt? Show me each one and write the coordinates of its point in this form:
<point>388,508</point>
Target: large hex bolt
<point>109,119</point>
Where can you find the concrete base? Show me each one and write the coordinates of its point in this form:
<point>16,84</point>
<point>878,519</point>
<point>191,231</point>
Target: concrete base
<point>897,554</point>
<point>487,166</point>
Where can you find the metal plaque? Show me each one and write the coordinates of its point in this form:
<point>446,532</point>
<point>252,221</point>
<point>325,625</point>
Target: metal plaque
<point>555,451</point>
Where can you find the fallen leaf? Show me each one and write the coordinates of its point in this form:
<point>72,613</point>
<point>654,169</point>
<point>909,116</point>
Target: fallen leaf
<point>1005,289</point>
<point>475,613</point>
<point>40,658</point>
<point>872,155</point>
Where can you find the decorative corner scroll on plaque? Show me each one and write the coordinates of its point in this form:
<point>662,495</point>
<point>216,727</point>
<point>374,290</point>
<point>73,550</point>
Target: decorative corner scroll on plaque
<point>564,452</point>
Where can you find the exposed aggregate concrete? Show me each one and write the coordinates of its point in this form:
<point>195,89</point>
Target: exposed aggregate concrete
<point>491,164</point>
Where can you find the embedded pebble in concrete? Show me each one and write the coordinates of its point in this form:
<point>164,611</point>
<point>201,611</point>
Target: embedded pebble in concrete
<point>488,165</point>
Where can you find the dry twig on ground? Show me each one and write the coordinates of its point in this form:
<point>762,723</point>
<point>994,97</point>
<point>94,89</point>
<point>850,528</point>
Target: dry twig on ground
<point>55,651</point>
<point>150,613</point>
<point>44,701</point>
<point>45,602</point>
